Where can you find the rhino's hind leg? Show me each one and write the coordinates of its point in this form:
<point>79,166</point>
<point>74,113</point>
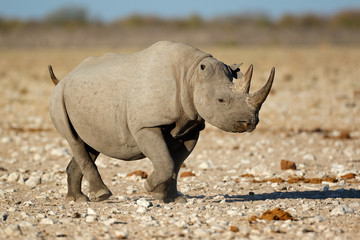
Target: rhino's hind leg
<point>84,165</point>
<point>74,178</point>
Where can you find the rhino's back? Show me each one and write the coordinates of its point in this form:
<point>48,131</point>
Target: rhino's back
<point>107,98</point>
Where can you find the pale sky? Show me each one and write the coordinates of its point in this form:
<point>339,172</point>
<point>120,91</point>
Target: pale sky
<point>109,10</point>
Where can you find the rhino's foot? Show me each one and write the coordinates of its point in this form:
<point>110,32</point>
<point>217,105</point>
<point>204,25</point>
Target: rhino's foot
<point>166,193</point>
<point>177,199</point>
<point>100,195</point>
<point>77,197</point>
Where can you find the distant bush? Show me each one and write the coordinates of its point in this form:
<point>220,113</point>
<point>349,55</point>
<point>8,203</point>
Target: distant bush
<point>347,19</point>
<point>69,16</point>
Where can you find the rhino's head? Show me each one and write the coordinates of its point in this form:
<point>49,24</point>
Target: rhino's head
<point>224,104</point>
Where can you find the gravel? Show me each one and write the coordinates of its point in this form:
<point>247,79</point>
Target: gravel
<point>308,120</point>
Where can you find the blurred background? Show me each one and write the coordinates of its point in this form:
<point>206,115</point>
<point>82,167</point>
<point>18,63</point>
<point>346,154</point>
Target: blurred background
<point>111,23</point>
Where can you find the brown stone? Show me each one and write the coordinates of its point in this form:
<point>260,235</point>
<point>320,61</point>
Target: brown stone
<point>275,214</point>
<point>348,176</point>
<point>140,173</point>
<point>285,164</point>
<point>234,229</point>
<point>187,174</point>
<point>247,175</point>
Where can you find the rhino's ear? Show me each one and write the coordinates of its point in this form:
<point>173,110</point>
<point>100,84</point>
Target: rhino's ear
<point>235,71</point>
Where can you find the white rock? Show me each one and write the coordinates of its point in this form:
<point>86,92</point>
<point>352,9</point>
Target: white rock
<point>207,165</point>
<point>91,211</point>
<point>25,224</point>
<point>131,190</point>
<point>341,210</point>
<point>338,168</point>
<point>33,181</point>
<point>47,221</point>
<point>13,177</point>
<point>354,205</point>
<point>6,139</point>
<point>141,210</point>
<point>21,179</point>
<point>143,203</point>
<point>109,221</point>
<point>122,233</point>
<point>59,152</point>
<point>24,215</point>
<point>90,218</point>
<point>28,203</point>
<point>309,157</point>
<point>13,230</point>
<point>37,157</point>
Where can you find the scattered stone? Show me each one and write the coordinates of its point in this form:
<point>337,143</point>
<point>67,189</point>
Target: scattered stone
<point>273,180</point>
<point>76,215</point>
<point>275,214</point>
<point>3,216</point>
<point>109,222</point>
<point>33,181</point>
<point>13,177</point>
<point>234,229</point>
<point>91,211</point>
<point>312,180</point>
<point>187,174</point>
<point>341,135</point>
<point>309,157</point>
<point>13,230</point>
<point>3,169</point>
<point>90,218</point>
<point>206,165</point>
<point>25,224</point>
<point>59,152</point>
<point>338,168</point>
<point>139,173</point>
<point>341,210</point>
<point>348,176</point>
<point>144,203</point>
<point>247,175</point>
<point>61,235</point>
<point>47,221</point>
<point>285,164</point>
<point>122,234</point>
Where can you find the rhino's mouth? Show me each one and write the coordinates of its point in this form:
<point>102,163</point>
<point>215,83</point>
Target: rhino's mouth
<point>244,127</point>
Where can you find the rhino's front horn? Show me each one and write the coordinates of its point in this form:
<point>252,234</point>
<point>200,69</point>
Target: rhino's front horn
<point>259,97</point>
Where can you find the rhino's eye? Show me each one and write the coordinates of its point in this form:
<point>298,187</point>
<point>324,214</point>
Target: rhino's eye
<point>202,66</point>
<point>220,100</point>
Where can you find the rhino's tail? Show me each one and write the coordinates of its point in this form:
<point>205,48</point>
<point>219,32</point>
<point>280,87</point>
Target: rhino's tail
<point>52,75</point>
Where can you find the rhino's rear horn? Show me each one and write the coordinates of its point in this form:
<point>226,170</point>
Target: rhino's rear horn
<point>247,80</point>
<point>52,75</point>
<point>259,97</point>
<point>244,85</point>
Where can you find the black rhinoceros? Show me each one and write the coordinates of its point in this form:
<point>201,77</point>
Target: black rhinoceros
<point>152,103</point>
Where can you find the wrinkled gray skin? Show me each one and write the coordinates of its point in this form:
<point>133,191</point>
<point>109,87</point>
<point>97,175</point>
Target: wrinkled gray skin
<point>153,104</point>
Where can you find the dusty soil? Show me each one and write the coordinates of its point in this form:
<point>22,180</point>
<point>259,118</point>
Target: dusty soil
<point>311,118</point>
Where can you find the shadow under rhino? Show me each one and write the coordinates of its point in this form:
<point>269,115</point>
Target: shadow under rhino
<point>340,193</point>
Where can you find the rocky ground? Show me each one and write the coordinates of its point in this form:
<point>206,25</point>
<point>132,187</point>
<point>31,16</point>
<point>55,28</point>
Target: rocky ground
<point>311,119</point>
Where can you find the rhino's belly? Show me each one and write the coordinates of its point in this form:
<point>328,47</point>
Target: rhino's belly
<point>111,145</point>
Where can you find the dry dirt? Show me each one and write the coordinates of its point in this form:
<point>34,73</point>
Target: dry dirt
<point>311,118</point>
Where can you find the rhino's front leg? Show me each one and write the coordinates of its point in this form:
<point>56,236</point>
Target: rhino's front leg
<point>152,144</point>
